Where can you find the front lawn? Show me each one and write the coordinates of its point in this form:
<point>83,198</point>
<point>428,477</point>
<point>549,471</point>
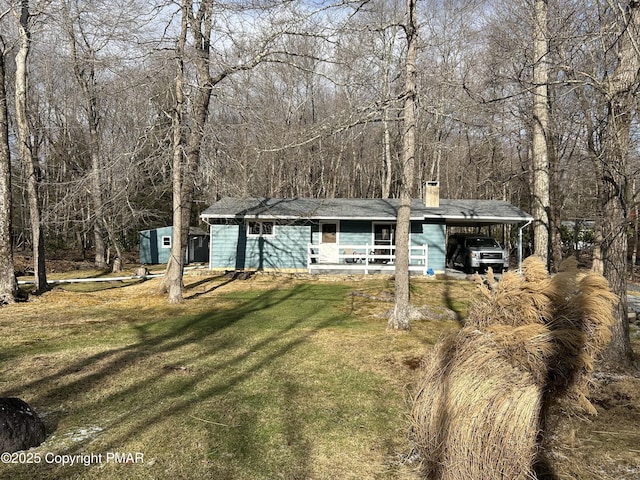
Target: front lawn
<point>258,379</point>
<point>266,378</point>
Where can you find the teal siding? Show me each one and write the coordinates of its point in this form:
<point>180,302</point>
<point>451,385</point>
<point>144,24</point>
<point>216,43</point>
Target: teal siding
<point>434,234</point>
<point>151,248</point>
<point>286,248</point>
<point>224,247</point>
<point>231,248</point>
<point>355,232</point>
<point>418,238</point>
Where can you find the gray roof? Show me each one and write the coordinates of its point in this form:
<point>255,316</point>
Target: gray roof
<point>454,212</point>
<point>193,231</point>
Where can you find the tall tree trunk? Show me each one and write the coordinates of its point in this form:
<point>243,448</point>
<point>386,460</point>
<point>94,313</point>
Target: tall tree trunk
<point>386,154</point>
<point>399,319</point>
<point>622,86</point>
<point>186,156</point>
<point>540,156</point>
<point>30,163</point>
<point>555,223</point>
<point>387,164</point>
<point>636,239</point>
<point>172,282</point>
<point>173,275</point>
<point>118,261</point>
<point>87,81</point>
<point>84,69</point>
<point>8,286</point>
<point>100,260</point>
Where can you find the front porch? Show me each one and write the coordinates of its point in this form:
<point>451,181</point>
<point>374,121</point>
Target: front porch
<point>367,259</point>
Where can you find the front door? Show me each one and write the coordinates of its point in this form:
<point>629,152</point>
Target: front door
<point>328,243</point>
<point>384,235</point>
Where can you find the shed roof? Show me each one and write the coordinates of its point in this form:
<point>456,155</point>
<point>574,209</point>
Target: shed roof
<point>193,231</point>
<point>453,212</point>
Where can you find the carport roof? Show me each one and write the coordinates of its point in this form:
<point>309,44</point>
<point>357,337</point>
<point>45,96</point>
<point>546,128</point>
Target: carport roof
<point>477,212</point>
<point>453,212</point>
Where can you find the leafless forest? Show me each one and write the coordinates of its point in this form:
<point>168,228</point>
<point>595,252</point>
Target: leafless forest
<point>305,100</point>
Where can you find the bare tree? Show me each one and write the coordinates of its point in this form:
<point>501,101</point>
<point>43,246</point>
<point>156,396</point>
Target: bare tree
<point>8,286</point>
<point>382,22</point>
<point>621,89</point>
<point>189,126</point>
<point>103,56</point>
<point>540,134</point>
<point>172,282</point>
<point>399,319</point>
<point>83,58</point>
<point>636,230</point>
<point>25,146</point>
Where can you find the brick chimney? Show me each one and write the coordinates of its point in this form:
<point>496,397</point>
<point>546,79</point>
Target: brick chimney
<point>432,194</point>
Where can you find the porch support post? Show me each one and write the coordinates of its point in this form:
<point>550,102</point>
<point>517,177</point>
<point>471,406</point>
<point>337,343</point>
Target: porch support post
<point>366,260</point>
<point>520,244</point>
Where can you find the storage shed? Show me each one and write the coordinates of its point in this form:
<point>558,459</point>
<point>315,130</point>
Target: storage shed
<point>155,245</point>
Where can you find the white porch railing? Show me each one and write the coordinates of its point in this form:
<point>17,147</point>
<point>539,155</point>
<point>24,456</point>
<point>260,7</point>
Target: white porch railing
<point>364,257</point>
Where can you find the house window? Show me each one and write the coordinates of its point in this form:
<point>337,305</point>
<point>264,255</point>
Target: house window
<point>260,229</point>
<point>329,232</point>
<point>166,241</point>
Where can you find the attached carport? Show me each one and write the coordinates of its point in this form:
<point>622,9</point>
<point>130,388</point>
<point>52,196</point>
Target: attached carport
<point>481,213</point>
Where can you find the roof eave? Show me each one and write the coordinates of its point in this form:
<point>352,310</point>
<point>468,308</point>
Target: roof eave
<point>374,218</point>
<point>294,217</point>
<point>482,218</point>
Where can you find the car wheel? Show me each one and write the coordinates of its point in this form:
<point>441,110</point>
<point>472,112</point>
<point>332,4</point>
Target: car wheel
<point>467,267</point>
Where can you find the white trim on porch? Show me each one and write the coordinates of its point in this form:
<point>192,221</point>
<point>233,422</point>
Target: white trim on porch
<point>367,258</point>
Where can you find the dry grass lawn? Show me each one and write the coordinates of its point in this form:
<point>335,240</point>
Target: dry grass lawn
<point>271,377</point>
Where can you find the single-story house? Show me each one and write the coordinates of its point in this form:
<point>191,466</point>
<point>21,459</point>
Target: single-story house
<point>155,245</point>
<point>340,234</point>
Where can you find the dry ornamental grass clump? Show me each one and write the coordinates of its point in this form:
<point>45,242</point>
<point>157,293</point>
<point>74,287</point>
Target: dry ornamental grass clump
<point>530,342</point>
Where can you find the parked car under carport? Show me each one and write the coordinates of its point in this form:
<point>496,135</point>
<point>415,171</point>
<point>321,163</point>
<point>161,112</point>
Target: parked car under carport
<point>472,252</point>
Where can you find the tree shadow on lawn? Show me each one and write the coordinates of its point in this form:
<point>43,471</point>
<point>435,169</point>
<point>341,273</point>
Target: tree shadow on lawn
<point>210,288</point>
<point>202,328</point>
<point>450,302</point>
